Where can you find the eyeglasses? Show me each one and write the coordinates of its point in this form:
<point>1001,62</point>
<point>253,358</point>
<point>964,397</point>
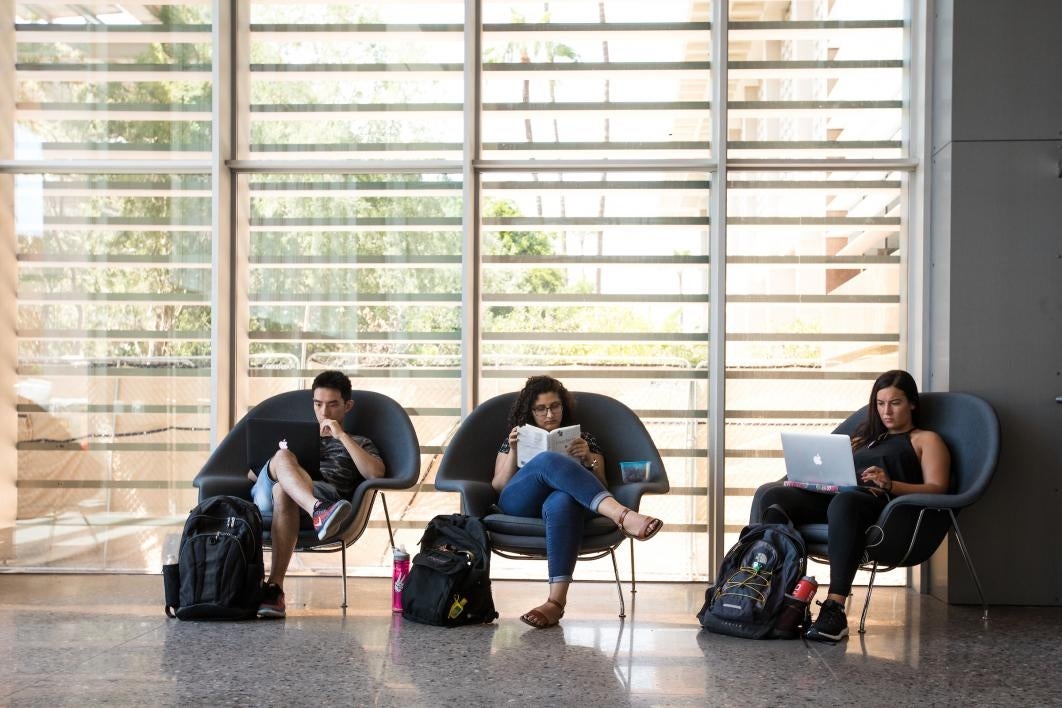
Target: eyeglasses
<point>552,408</point>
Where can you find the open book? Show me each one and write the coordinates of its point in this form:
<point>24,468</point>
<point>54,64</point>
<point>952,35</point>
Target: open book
<point>535,440</point>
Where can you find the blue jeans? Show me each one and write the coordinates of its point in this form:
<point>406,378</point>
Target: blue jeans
<point>564,494</point>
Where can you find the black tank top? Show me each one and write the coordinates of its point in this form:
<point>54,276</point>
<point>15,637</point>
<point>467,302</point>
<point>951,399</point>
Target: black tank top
<point>895,455</point>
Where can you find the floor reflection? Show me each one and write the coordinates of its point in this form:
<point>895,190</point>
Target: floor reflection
<point>104,639</point>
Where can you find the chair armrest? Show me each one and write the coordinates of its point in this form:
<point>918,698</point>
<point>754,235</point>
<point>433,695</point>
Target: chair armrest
<point>932,501</point>
<point>211,485</point>
<point>476,496</point>
<point>387,483</point>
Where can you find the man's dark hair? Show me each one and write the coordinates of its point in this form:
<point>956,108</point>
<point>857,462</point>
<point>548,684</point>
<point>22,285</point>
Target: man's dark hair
<point>335,380</point>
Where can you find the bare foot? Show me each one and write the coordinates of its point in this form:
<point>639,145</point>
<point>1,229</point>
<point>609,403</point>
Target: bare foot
<point>548,614</point>
<point>639,526</point>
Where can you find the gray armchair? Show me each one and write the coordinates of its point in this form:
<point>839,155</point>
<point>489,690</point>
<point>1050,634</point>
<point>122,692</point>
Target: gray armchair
<point>467,467</point>
<point>911,527</point>
<point>374,415</point>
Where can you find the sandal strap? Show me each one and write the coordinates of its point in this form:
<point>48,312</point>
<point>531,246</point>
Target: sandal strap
<point>556,604</point>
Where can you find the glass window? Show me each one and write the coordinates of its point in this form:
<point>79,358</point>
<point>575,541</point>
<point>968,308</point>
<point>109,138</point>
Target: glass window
<point>113,364</point>
<point>358,80</point>
<point>601,279</point>
<point>129,81</point>
<point>813,311</point>
<point>360,273</point>
<point>813,79</point>
<point>589,79</point>
<point>350,248</point>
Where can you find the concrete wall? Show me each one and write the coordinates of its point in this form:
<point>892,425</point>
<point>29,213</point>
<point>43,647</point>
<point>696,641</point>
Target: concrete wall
<point>996,279</point>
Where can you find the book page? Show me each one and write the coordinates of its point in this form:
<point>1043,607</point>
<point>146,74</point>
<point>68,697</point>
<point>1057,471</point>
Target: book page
<point>533,440</point>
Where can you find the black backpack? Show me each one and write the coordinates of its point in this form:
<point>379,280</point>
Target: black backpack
<point>219,569</point>
<point>766,563</point>
<point>449,581</point>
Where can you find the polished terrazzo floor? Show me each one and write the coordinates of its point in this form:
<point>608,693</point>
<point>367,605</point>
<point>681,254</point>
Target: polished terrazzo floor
<point>82,640</point>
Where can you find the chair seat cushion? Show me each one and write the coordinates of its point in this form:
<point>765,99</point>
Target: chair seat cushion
<point>528,526</point>
<point>814,533</point>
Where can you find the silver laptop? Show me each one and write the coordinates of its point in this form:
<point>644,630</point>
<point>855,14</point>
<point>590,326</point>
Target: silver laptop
<point>819,462</point>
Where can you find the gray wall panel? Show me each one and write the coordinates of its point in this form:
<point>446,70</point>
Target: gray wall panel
<point>1006,345</point>
<point>1007,70</point>
<point>996,280</point>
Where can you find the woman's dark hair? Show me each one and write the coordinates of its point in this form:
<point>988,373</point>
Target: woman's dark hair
<point>520,413</point>
<point>872,428</point>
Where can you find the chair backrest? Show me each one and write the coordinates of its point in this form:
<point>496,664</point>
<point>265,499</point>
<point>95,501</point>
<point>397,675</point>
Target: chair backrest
<point>374,415</point>
<point>621,435</point>
<point>969,428</point>
<point>471,453</point>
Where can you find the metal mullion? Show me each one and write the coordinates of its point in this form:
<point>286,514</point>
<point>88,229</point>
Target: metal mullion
<point>113,165</point>
<point>242,166</point>
<point>9,432</point>
<point>222,368</point>
<point>822,165</point>
<point>717,292</point>
<point>471,363</point>
<point>633,165</point>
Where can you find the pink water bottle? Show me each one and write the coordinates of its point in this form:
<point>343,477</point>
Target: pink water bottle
<point>398,577</point>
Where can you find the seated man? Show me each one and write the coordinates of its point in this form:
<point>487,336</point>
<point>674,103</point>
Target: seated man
<point>283,487</point>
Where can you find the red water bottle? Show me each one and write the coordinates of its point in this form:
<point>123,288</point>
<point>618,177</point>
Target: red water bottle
<point>805,589</point>
<point>398,577</point>
<point>794,613</point>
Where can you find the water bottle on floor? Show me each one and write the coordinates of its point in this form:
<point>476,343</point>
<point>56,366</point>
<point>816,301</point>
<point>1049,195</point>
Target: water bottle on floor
<point>398,577</point>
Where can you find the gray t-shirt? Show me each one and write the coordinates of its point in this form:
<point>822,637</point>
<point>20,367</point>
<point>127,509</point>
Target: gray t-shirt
<point>337,466</point>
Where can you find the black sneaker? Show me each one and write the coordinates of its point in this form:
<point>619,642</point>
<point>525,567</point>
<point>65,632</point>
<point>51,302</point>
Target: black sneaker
<point>271,606</point>
<point>831,625</point>
<point>328,518</point>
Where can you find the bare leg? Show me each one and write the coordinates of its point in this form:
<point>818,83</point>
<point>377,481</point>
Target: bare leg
<point>293,490</point>
<point>285,533</point>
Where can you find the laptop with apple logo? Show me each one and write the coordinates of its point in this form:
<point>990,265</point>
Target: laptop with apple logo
<point>819,462</point>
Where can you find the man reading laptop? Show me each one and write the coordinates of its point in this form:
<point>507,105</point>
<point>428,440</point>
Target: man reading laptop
<point>283,487</point>
<point>892,456</point>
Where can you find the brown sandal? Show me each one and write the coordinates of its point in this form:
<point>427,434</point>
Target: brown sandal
<point>651,528</point>
<point>538,620</point>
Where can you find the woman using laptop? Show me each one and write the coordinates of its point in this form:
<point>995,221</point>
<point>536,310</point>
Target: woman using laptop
<point>893,456</point>
<point>564,489</point>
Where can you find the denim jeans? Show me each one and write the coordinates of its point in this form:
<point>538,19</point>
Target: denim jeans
<point>262,491</point>
<point>564,494</point>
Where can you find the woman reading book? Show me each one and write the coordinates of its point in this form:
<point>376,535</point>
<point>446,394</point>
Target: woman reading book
<point>564,489</point>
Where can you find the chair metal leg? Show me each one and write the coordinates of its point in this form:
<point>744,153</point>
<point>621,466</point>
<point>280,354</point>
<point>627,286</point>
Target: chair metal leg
<point>634,580</point>
<point>343,578</point>
<point>866,603</point>
<point>619,588</point>
<point>387,516</point>
<point>969,564</point>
